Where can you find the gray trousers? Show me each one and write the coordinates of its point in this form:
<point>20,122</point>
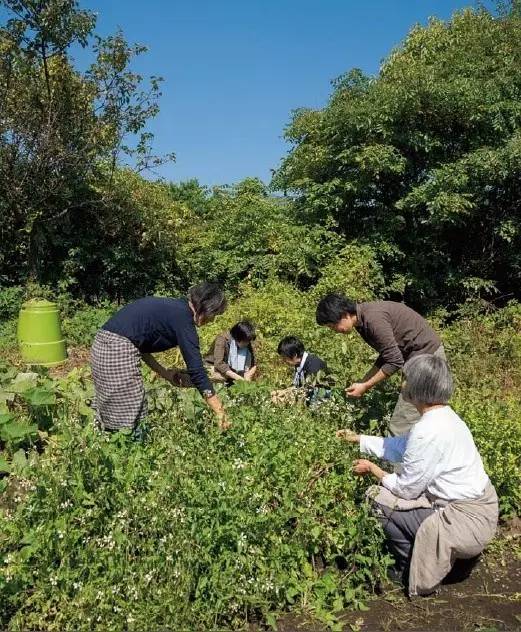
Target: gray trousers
<point>405,414</point>
<point>400,529</point>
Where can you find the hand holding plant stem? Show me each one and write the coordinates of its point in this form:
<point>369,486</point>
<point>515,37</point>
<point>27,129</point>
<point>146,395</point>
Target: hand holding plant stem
<point>360,466</point>
<point>216,405</point>
<point>356,389</point>
<point>374,376</point>
<point>363,466</point>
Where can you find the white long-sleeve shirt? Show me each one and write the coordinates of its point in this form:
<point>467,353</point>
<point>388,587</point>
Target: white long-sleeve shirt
<point>438,455</point>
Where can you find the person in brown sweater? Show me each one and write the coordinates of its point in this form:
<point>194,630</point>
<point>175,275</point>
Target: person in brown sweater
<point>395,331</point>
<point>231,355</point>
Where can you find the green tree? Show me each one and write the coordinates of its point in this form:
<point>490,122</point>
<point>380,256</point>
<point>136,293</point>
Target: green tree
<point>240,233</point>
<point>63,135</point>
<point>422,161</point>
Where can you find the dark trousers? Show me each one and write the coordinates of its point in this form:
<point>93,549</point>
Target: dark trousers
<point>400,528</point>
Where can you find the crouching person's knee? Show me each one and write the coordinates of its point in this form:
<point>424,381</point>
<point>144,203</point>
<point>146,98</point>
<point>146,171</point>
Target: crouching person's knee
<point>378,510</point>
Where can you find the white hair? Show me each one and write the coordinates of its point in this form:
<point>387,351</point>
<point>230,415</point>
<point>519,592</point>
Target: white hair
<point>428,380</point>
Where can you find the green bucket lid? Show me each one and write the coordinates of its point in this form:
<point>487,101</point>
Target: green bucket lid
<point>37,304</point>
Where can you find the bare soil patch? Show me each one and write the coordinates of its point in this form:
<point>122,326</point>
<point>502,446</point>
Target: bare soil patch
<point>488,601</point>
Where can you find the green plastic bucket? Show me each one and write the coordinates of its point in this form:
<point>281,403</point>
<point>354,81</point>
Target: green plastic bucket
<point>39,334</point>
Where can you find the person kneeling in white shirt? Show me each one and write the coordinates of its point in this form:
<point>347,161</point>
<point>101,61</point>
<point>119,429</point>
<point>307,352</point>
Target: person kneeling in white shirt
<point>441,506</point>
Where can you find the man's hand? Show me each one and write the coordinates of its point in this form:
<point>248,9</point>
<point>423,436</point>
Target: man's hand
<point>356,390</point>
<point>362,467</point>
<point>348,435</point>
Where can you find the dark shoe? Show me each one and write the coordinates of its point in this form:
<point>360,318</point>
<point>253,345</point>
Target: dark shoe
<point>395,575</point>
<point>391,583</point>
<point>461,570</point>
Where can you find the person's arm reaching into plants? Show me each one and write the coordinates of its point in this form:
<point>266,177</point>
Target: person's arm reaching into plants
<point>235,376</point>
<point>361,466</point>
<point>213,401</point>
<point>373,377</point>
<point>188,342</point>
<point>389,361</point>
<point>388,448</point>
<point>158,368</point>
<point>216,405</point>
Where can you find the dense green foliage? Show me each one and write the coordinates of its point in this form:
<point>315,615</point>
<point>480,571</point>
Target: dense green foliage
<point>210,530</point>
<point>422,162</point>
<point>419,165</point>
<point>68,211</point>
<point>240,233</point>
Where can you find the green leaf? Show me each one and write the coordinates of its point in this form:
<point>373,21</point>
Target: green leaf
<point>5,396</point>
<point>17,430</point>
<point>20,459</point>
<point>40,396</point>
<point>4,464</point>
<point>23,382</point>
<point>271,620</point>
<point>5,418</point>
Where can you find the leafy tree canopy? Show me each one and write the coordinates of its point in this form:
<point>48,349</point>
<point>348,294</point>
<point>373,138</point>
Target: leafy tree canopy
<point>423,160</point>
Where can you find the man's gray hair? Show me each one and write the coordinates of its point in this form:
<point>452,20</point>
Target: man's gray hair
<point>428,380</point>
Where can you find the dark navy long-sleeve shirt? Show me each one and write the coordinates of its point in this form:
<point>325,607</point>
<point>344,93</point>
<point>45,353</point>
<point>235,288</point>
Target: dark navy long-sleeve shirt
<point>156,324</point>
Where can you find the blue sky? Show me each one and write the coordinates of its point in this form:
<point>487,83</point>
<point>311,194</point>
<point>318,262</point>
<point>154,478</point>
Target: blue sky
<point>234,70</point>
